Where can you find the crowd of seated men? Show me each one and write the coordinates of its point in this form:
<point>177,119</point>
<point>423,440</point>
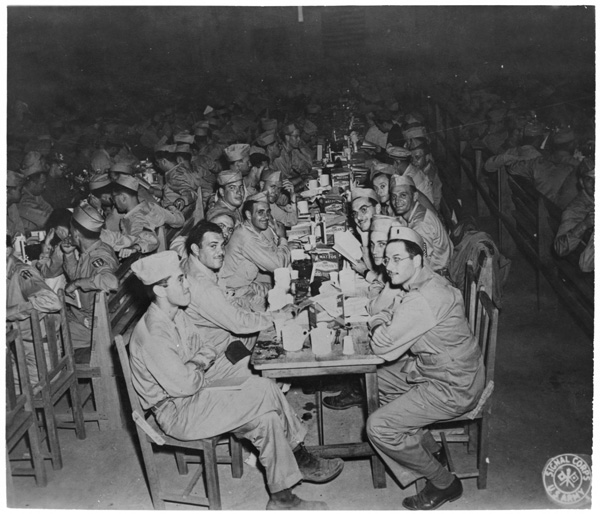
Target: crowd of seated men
<point>237,170</point>
<point>541,133</point>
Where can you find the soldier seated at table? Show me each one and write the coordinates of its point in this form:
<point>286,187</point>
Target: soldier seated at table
<point>434,371</point>
<point>140,219</point>
<point>173,367</point>
<point>272,185</point>
<point>230,194</point>
<point>424,221</point>
<point>256,249</point>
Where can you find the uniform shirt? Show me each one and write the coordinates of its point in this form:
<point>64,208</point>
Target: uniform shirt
<point>142,221</point>
<point>160,353</point>
<point>206,169</point>
<point>180,182</point>
<point>218,319</point>
<point>222,204</point>
<point>99,264</point>
<point>567,240</point>
<point>14,223</point>
<point>293,162</point>
<point>428,318</point>
<point>34,210</point>
<point>250,252</point>
<point>430,228</point>
<point>422,182</point>
<point>286,215</point>
<point>25,284</point>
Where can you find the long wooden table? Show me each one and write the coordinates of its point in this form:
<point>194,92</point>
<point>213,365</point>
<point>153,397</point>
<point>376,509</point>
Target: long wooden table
<point>272,361</point>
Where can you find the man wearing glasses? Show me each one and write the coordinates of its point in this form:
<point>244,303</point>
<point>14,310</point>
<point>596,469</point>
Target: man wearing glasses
<point>434,371</point>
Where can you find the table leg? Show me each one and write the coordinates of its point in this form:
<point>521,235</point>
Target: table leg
<point>319,400</point>
<point>372,390</point>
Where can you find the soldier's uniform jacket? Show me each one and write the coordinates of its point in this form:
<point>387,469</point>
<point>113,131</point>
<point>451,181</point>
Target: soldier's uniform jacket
<point>430,228</point>
<point>250,252</point>
<point>99,264</point>
<point>428,321</point>
<point>34,211</point>
<point>14,223</point>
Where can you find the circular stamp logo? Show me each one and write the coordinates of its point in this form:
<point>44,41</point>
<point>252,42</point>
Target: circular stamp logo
<point>567,479</point>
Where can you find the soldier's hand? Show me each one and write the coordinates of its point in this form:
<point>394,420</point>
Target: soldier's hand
<point>49,237</point>
<point>126,252</point>
<point>360,268</point>
<point>95,202</point>
<point>179,204</point>
<point>71,287</point>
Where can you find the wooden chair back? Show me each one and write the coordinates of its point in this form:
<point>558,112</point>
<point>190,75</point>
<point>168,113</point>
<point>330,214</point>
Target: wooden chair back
<point>20,419</point>
<point>470,293</point>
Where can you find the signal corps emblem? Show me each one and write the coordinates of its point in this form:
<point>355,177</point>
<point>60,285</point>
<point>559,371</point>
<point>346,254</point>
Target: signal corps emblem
<point>568,479</point>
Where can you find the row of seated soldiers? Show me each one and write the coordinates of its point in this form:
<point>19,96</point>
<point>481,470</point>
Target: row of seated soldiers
<point>254,196</point>
<point>222,272</point>
<point>543,134</point>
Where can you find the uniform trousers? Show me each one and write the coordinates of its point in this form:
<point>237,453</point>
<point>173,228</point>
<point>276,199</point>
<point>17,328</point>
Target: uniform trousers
<point>258,412</point>
<point>396,429</point>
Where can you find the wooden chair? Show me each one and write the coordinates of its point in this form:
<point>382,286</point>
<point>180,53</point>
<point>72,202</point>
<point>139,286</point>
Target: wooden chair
<point>149,434</point>
<point>55,363</point>
<point>470,292</point>
<point>474,425</point>
<point>21,420</point>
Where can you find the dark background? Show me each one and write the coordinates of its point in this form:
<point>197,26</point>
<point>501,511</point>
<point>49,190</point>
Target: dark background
<point>69,54</point>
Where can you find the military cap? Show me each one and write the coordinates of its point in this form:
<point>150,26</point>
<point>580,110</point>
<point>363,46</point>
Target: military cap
<point>401,180</point>
<point>14,179</point>
<point>259,197</point>
<point>406,234</point>
<point>237,152</point>
<point>398,152</point>
<point>128,182</point>
<point>228,177</point>
<point>289,129</point>
<point>381,223</point>
<point>122,167</point>
<point>154,268</point>
<point>363,192</point>
<point>88,217</point>
<point>269,175</point>
<point>99,181</point>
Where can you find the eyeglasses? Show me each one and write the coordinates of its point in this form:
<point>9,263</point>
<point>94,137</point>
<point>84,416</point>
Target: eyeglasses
<point>395,259</point>
<point>363,210</point>
<point>225,228</point>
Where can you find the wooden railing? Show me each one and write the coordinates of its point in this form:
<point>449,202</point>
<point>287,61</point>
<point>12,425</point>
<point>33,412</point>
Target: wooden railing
<point>527,220</point>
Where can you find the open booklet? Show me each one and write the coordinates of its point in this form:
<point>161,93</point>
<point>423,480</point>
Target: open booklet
<point>348,247</point>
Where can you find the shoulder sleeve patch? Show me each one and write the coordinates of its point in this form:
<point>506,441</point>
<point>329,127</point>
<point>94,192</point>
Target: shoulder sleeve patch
<point>98,263</point>
<point>25,274</point>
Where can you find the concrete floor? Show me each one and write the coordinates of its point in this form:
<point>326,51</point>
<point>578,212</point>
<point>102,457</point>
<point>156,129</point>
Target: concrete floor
<point>542,407</point>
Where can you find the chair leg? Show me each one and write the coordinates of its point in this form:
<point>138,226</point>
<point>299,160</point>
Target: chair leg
<point>37,459</point>
<point>182,466</point>
<point>151,473</point>
<point>237,457</point>
<point>482,458</point>
<point>211,475</point>
<point>77,409</point>
<point>52,434</point>
<point>473,431</point>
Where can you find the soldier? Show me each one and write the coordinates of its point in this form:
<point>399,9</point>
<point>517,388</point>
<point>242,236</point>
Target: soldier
<point>25,291</point>
<point>271,184</point>
<point>141,219</point>
<point>230,194</point>
<point>173,365</point>
<point>295,161</point>
<point>253,254</point>
<point>424,221</point>
<point>93,271</point>
<point>33,209</point>
<point>440,378</point>
<point>181,183</point>
<point>14,185</point>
